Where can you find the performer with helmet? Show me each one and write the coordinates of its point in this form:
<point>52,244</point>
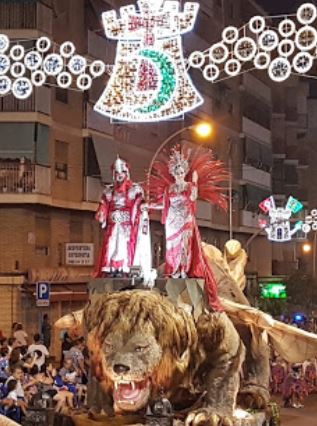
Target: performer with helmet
<point>126,226</point>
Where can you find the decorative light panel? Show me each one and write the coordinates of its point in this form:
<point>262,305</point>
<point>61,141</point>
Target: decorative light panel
<point>278,224</point>
<point>150,81</point>
<point>22,70</point>
<point>285,48</point>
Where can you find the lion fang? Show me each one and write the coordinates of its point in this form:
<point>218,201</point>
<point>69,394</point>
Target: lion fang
<point>183,362</point>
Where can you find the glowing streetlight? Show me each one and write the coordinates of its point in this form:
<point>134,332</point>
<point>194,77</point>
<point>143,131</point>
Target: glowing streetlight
<point>307,248</point>
<point>203,129</point>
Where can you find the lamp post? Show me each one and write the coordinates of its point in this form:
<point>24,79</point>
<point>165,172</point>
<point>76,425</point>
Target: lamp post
<point>202,129</point>
<point>230,189</point>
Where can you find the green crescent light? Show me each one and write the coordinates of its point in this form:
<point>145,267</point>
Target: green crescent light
<point>168,82</point>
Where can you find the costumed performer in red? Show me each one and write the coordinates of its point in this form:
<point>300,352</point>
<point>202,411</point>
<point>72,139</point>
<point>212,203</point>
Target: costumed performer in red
<point>175,185</point>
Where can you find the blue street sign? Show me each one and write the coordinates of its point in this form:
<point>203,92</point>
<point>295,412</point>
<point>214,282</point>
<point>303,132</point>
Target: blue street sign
<point>42,294</point>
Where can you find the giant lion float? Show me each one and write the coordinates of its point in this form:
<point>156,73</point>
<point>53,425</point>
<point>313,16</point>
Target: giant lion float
<point>144,344</point>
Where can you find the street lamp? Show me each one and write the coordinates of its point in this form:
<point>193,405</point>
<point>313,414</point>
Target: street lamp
<point>202,129</point>
<point>307,248</point>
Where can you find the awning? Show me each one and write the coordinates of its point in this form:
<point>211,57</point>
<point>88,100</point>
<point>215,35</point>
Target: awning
<point>106,152</point>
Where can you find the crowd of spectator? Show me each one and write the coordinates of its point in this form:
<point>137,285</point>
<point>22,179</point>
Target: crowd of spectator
<point>30,378</point>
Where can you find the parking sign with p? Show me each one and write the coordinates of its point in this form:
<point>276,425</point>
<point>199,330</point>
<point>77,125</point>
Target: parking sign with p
<point>42,294</point>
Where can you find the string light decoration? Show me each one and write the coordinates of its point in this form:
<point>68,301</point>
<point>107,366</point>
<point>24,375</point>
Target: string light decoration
<point>282,49</point>
<point>310,223</point>
<point>149,81</point>
<point>278,225</point>
<point>21,70</point>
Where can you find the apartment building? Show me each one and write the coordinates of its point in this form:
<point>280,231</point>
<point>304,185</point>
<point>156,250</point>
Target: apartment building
<point>56,152</point>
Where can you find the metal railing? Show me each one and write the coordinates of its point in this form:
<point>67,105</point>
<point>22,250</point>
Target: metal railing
<point>23,178</point>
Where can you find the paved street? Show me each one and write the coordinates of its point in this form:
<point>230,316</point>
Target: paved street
<point>306,416</point>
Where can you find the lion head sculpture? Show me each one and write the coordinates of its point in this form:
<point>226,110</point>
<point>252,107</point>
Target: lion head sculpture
<point>139,344</point>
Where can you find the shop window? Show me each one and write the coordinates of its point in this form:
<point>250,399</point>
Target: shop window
<point>61,160</point>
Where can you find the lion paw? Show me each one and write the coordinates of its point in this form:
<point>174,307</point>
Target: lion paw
<point>254,397</point>
<point>207,417</point>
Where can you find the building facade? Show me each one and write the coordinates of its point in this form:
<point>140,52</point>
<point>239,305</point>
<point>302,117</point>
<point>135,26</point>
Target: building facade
<point>56,153</point>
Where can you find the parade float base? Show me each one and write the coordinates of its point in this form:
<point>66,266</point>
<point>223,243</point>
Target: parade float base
<point>82,420</point>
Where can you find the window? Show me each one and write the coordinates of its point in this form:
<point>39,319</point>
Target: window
<point>42,235</point>
<point>91,162</point>
<point>61,95</point>
<point>76,231</point>
<point>61,160</point>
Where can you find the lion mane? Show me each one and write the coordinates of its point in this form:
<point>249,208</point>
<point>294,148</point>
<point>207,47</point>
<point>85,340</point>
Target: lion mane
<point>127,311</point>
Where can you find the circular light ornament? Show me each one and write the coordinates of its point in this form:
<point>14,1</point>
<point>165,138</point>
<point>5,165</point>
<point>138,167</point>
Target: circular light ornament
<point>287,27</point>
<point>268,40</point>
<point>97,68</point>
<point>4,64</point>
<point>314,226</point>
<point>262,60</point>
<point>5,85</point>
<point>64,80</point>
<point>230,35</point>
<point>245,49</point>
<point>43,44</point>
<point>22,88</point>
<point>17,69</point>
<point>53,64</point>
<point>286,48</point>
<point>211,72</point>
<point>306,38</point>
<point>218,53</point>
<point>67,49</point>
<point>196,59</point>
<point>306,13</point>
<point>17,52</point>
<point>4,43</point>
<point>257,24</point>
<point>84,82</point>
<point>306,228</point>
<point>303,62</point>
<point>232,67</point>
<point>314,213</point>
<point>38,78</point>
<point>77,64</point>
<point>33,60</point>
<point>280,70</point>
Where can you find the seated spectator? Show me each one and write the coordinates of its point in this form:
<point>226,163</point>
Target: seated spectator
<point>4,365</point>
<point>40,349</point>
<point>11,344</point>
<point>66,345</point>
<point>13,395</point>
<point>15,359</point>
<point>21,336</point>
<point>17,374</point>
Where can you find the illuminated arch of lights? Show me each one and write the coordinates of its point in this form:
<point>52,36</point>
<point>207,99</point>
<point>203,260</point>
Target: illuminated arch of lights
<point>157,85</point>
<point>47,63</point>
<point>282,45</point>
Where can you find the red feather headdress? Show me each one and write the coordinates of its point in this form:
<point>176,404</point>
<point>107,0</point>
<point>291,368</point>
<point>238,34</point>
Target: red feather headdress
<point>212,174</point>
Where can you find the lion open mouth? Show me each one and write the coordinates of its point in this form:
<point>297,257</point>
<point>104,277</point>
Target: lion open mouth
<point>131,395</point>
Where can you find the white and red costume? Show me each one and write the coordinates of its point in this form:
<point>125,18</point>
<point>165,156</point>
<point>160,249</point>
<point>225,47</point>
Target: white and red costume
<point>176,195</point>
<point>120,215</point>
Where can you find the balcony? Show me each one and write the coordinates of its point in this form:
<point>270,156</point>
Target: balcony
<point>39,101</point>
<point>95,121</point>
<point>257,87</point>
<point>92,189</point>
<point>284,267</point>
<point>25,16</point>
<point>22,178</point>
<point>255,131</point>
<point>259,177</point>
<point>249,219</point>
